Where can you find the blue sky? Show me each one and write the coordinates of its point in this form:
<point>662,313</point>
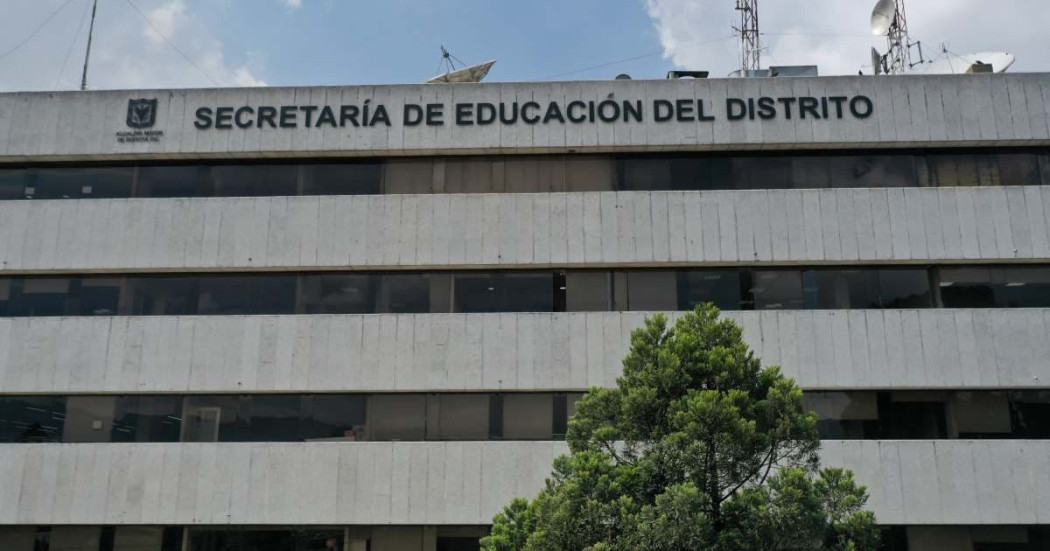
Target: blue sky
<point>305,42</point>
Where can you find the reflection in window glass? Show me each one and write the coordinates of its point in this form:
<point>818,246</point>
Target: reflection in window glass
<point>147,419</point>
<point>981,414</point>
<point>32,419</point>
<point>723,288</point>
<point>777,289</point>
<point>89,418</point>
<point>913,415</point>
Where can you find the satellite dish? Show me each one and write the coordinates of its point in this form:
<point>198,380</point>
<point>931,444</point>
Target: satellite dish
<point>882,17</point>
<point>953,64</point>
<point>474,73</point>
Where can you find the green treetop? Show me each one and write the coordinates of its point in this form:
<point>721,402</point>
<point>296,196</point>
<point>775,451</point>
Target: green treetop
<point>698,447</point>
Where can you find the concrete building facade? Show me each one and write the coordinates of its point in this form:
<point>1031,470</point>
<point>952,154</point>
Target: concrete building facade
<point>359,317</point>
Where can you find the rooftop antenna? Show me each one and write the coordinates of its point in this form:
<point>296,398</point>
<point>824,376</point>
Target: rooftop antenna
<point>889,19</point>
<point>748,33</point>
<point>87,55</point>
<point>473,73</point>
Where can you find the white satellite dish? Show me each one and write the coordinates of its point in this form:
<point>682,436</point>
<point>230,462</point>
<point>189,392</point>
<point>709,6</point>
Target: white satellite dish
<point>474,73</point>
<point>953,64</point>
<point>882,17</point>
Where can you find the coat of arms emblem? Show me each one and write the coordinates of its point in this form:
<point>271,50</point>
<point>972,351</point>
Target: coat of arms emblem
<point>142,113</point>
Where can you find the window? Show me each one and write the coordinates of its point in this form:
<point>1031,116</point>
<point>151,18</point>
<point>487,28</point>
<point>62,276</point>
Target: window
<point>147,419</point>
<point>163,296</point>
<point>260,180</point>
<point>397,417</point>
<point>12,183</point>
<point>363,178</point>
<point>404,293</point>
<point>1011,287</point>
<point>904,288</point>
<point>89,418</point>
<point>652,290</point>
<point>844,415</point>
<point>234,294</point>
<point>337,417</point>
<point>338,294</point>
<point>588,291</point>
<point>981,414</point>
<point>723,288</point>
<point>216,419</point>
<point>45,296</point>
<point>528,416</point>
<point>265,539</point>
<point>912,415</point>
<point>1030,413</point>
<point>777,290</point>
<point>32,419</point>
<point>503,292</point>
<point>457,416</point>
<point>98,297</point>
<point>175,181</point>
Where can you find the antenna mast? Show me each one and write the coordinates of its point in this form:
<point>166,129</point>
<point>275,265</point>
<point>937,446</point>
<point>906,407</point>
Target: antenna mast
<point>898,55</point>
<point>748,32</point>
<point>87,56</point>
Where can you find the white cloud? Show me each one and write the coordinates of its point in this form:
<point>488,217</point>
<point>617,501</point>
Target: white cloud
<point>294,4</point>
<point>165,19</point>
<point>126,51</point>
<point>834,34</point>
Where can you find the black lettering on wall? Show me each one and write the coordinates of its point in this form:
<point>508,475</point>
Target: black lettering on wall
<point>203,121</point>
<point>413,115</point>
<point>736,109</point>
<point>267,114</point>
<point>861,107</point>
<point>241,121</point>
<point>663,110</point>
<point>224,118</point>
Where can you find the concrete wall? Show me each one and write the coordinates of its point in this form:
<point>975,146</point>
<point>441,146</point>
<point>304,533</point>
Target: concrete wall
<point>914,483</point>
<point>914,110</point>
<point>517,230</point>
<point>822,349</point>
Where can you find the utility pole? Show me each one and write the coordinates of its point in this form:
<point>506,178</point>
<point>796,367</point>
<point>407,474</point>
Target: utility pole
<point>748,31</point>
<point>87,56</point>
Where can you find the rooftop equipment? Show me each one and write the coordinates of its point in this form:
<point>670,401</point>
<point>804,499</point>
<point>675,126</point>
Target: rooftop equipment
<point>472,73</point>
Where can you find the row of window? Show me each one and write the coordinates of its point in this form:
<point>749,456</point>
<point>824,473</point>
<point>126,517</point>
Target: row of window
<point>411,538</point>
<point>234,538</point>
<point>527,174</point>
<point>477,416</point>
<point>286,417</point>
<point>526,291</point>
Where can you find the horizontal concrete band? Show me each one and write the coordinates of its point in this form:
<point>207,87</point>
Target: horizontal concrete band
<point>908,111</point>
<point>911,225</point>
<point>910,482</point>
<point>822,349</point>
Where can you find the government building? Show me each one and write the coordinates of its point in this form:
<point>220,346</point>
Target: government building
<point>359,318</point>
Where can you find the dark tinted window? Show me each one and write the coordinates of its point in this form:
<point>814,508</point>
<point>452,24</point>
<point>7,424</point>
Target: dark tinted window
<point>157,296</point>
<point>255,180</point>
<point>343,179</point>
<point>229,295</point>
<point>32,418</point>
<point>904,288</point>
<point>503,292</point>
<point>337,416</point>
<point>777,289</point>
<point>175,181</point>
<point>147,419</point>
<point>12,183</point>
<point>840,289</point>
<point>1019,287</point>
<point>724,288</point>
<point>338,294</point>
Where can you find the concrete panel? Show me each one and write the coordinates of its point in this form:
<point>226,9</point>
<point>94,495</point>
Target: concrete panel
<point>822,349</point>
<point>521,230</point>
<point>945,482</point>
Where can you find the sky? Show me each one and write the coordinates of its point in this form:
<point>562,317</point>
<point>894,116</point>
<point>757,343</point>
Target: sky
<point>206,43</point>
